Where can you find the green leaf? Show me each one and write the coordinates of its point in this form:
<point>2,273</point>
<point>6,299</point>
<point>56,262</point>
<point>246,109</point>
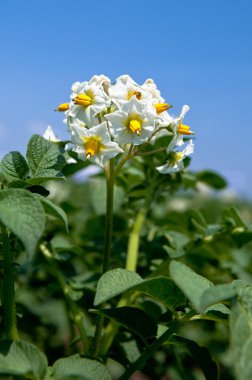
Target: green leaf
<point>241,340</point>
<point>200,354</point>
<point>192,284</point>
<point>54,210</point>
<point>115,282</point>
<point>218,313</point>
<point>161,289</point>
<point>18,184</point>
<point>77,368</point>
<point>212,179</point>
<point>118,281</point>
<point>177,241</point>
<point>131,350</point>
<point>232,217</point>
<point>14,167</point>
<point>134,319</point>
<point>217,294</point>
<point>23,359</point>
<point>45,159</point>
<point>23,215</point>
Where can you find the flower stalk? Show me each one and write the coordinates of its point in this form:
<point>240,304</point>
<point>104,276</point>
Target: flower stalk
<point>110,180</point>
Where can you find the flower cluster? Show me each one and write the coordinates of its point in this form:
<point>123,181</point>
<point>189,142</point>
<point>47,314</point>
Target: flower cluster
<point>106,120</point>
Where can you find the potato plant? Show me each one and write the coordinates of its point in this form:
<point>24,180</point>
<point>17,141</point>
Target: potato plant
<point>126,269</point>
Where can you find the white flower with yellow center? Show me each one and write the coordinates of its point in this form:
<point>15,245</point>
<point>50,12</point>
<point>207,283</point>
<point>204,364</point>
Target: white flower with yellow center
<point>123,90</point>
<point>158,103</point>
<point>88,100</point>
<point>178,126</point>
<point>94,144</point>
<point>175,158</point>
<point>134,123</point>
<point>174,126</point>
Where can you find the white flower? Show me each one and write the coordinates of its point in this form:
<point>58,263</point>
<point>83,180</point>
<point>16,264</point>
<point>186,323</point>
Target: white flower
<point>178,127</point>
<point>50,135</point>
<point>134,123</point>
<point>175,158</point>
<point>99,79</point>
<point>73,122</point>
<point>150,86</point>
<point>88,100</point>
<point>94,144</point>
<point>123,90</point>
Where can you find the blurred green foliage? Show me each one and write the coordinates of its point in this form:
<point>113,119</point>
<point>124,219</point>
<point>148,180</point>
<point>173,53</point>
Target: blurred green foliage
<point>195,237</point>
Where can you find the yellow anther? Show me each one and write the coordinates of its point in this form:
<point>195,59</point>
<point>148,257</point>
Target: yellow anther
<point>83,100</point>
<point>135,126</point>
<point>92,147</point>
<point>62,107</point>
<point>184,130</point>
<point>161,107</point>
<point>136,93</point>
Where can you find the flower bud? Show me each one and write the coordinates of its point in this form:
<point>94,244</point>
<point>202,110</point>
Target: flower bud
<point>62,107</point>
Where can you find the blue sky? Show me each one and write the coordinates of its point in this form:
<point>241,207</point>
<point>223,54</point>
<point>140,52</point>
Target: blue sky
<point>198,52</point>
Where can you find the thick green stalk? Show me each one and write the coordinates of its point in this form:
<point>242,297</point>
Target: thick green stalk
<point>74,310</point>
<point>133,246</point>
<point>110,180</point>
<point>8,290</point>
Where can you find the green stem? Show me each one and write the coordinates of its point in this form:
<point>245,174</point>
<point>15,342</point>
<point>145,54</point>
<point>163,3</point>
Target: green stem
<point>77,315</point>
<point>124,159</point>
<point>133,247</point>
<point>139,363</point>
<point>8,294</point>
<point>139,153</point>
<point>110,180</point>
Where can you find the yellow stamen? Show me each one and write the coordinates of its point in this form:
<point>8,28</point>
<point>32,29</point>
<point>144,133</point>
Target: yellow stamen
<point>83,100</point>
<point>161,107</point>
<point>174,157</point>
<point>135,126</point>
<point>184,130</point>
<point>62,107</point>
<point>179,156</point>
<point>92,147</point>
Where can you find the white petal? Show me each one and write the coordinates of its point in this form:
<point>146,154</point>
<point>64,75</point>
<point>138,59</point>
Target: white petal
<point>50,135</point>
<point>184,110</point>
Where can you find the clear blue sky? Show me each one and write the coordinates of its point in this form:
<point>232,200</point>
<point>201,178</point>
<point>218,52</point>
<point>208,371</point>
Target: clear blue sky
<point>198,52</point>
